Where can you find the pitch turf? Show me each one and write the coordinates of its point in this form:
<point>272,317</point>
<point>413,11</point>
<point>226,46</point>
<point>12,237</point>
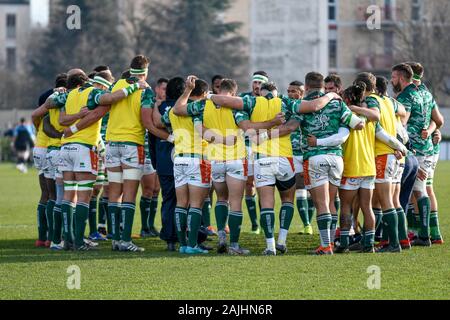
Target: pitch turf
<point>30,273</point>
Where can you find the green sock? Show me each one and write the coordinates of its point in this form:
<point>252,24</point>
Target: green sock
<point>49,216</point>
<point>128,210</point>
<point>66,210</point>
<point>390,222</point>
<point>42,222</point>
<point>334,222</point>
<point>93,215</point>
<point>378,218</point>
<point>268,222</point>
<point>108,217</point>
<point>324,224</point>
<point>206,213</point>
<point>81,217</point>
<point>384,233</point>
<point>153,210</point>
<point>434,226</point>
<point>302,206</point>
<point>286,215</point>
<point>368,239</point>
<point>424,213</point>
<point>194,219</point>
<point>181,225</point>
<point>344,238</point>
<point>410,217</point>
<point>57,224</point>
<point>114,213</point>
<point>235,223</point>
<point>402,231</point>
<point>102,211</point>
<point>221,211</point>
<point>251,208</point>
<point>311,208</point>
<point>337,204</point>
<point>144,205</point>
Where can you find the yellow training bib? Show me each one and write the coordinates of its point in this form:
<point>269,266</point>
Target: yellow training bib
<point>387,122</point>
<point>124,123</point>
<point>266,110</point>
<point>54,121</point>
<point>221,121</point>
<point>187,139</point>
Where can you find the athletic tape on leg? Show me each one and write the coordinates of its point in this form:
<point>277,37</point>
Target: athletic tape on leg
<point>86,185</point>
<point>115,177</point>
<point>70,186</point>
<point>132,174</point>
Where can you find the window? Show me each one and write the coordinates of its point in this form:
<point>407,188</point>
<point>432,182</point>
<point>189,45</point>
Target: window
<point>388,10</point>
<point>332,7</point>
<point>11,58</point>
<point>11,26</point>
<point>416,10</point>
<point>332,53</point>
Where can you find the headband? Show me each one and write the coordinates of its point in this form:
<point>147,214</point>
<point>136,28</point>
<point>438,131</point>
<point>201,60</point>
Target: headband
<point>138,71</point>
<point>260,78</point>
<point>417,77</point>
<point>102,81</point>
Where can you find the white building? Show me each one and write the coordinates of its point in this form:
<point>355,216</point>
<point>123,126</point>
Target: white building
<point>289,38</point>
<point>14,33</point>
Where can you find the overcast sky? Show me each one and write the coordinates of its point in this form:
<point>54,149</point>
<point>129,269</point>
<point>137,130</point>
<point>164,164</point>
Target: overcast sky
<point>39,12</point>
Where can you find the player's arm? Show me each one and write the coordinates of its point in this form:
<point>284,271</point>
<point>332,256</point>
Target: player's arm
<point>107,99</point>
<point>147,122</point>
<point>212,137</point>
<point>67,120</point>
<point>437,117</point>
<point>332,141</point>
<point>49,129</point>
<point>389,140</point>
<point>247,125</point>
<point>312,106</point>
<point>372,114</point>
<point>92,117</point>
<point>36,116</point>
<point>278,132</point>
<point>157,119</point>
<point>351,120</point>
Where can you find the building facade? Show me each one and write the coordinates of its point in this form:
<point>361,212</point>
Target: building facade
<point>14,33</point>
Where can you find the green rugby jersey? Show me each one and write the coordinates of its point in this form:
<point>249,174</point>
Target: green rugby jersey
<point>323,124</point>
<point>296,136</point>
<point>419,104</point>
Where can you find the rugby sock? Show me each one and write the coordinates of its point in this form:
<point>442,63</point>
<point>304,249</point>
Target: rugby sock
<point>286,215</point>
<point>334,222</point>
<point>324,224</point>
<point>402,231</point>
<point>144,205</point>
<point>57,223</point>
<point>410,217</point>
<point>344,238</point>
<point>434,226</point>
<point>108,216</point>
<point>81,217</point>
<point>66,210</point>
<point>194,220</point>
<point>153,210</point>
<point>181,224</point>
<point>206,213</point>
<point>102,209</point>
<point>235,223</point>
<point>49,216</point>
<point>42,221</point>
<point>378,218</point>
<point>390,222</point>
<point>311,208</point>
<point>128,210</point>
<point>368,238</point>
<point>268,222</point>
<point>93,215</point>
<point>114,213</point>
<point>221,211</point>
<point>424,213</point>
<point>251,208</point>
<point>302,206</point>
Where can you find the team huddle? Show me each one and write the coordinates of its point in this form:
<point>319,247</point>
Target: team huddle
<point>330,151</point>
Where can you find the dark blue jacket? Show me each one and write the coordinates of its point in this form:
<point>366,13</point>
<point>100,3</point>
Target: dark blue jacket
<point>164,149</point>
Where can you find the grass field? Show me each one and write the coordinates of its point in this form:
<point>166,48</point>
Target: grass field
<point>30,273</point>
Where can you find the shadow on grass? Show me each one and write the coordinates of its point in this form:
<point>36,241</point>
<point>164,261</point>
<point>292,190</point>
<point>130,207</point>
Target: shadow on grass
<point>23,250</point>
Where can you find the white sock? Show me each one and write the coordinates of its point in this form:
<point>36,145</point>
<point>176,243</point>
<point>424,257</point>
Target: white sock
<point>282,236</point>
<point>271,244</point>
